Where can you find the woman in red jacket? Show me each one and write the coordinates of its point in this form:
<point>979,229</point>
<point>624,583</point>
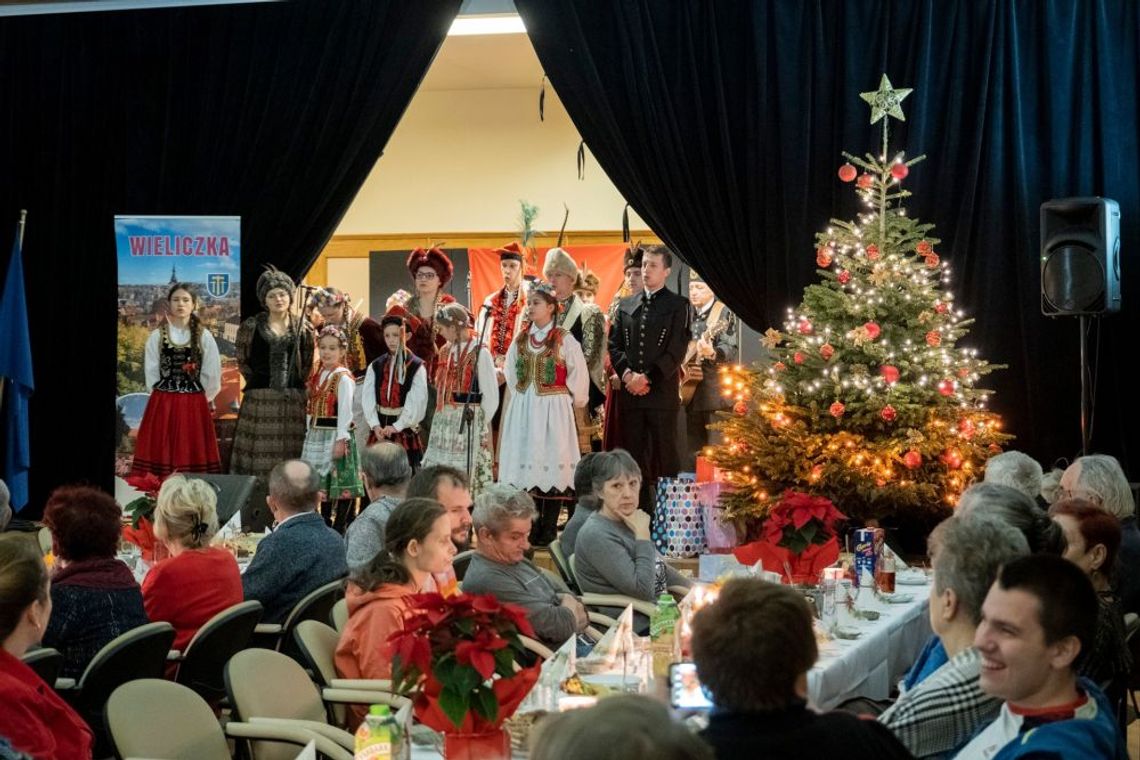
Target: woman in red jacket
<point>197,581</point>
<point>32,717</point>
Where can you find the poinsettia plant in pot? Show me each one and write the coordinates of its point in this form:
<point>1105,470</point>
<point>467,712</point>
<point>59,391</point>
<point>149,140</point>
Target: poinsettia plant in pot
<point>456,657</point>
<point>799,538</point>
<point>141,511</point>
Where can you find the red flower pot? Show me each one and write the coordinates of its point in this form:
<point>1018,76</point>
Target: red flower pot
<point>489,745</point>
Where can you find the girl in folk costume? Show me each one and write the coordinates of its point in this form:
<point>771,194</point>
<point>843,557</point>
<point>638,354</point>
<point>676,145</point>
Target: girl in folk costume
<point>329,444</point>
<point>431,271</point>
<point>275,354</point>
<point>395,393</point>
<point>547,375</point>
<point>466,386</point>
<point>184,372</point>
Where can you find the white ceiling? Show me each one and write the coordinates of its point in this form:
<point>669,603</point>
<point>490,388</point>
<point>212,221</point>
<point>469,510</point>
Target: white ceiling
<point>485,62</point>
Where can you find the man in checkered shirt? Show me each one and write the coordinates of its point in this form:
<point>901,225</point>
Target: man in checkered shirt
<point>942,712</point>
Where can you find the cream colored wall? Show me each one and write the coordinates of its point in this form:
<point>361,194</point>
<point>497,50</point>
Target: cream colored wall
<point>460,161</point>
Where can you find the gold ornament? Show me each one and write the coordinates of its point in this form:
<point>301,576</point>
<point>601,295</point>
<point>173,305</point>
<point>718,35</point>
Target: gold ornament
<point>772,338</point>
<point>880,276</point>
<point>886,100</point>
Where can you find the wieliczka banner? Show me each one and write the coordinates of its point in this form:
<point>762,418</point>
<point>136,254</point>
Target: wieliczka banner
<point>179,312</point>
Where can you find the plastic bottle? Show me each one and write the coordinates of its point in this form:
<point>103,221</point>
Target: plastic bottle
<point>378,737</point>
<point>662,635</point>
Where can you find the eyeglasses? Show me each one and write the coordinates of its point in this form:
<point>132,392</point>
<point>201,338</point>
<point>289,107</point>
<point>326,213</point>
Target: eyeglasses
<point>426,275</point>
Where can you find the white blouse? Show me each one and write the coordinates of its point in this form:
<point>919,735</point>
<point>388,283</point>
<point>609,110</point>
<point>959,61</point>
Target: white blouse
<point>415,405</point>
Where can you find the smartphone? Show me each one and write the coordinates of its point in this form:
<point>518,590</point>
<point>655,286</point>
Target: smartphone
<point>685,690</point>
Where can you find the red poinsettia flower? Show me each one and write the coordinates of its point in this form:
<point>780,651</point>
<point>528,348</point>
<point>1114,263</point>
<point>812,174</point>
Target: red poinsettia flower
<point>148,483</point>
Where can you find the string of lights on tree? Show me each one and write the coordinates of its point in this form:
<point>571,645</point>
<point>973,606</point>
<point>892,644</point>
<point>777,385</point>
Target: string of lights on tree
<point>869,399</point>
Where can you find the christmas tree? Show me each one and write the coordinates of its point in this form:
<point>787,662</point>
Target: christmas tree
<point>869,400</point>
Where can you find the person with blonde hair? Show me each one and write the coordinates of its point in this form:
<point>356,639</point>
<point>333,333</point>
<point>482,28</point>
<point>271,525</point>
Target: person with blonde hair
<point>197,581</point>
<point>1099,479</point>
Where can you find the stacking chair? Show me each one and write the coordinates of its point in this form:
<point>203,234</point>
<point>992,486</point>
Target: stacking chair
<point>316,605</point>
<point>339,615</point>
<point>460,562</point>
<point>159,719</point>
<point>616,601</point>
<point>562,562</point>
<point>201,666</point>
<point>138,653</point>
<point>47,663</point>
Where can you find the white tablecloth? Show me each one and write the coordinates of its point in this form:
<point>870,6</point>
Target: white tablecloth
<point>871,664</point>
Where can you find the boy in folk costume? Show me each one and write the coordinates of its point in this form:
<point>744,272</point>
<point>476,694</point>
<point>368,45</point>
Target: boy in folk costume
<point>365,344</point>
<point>395,393</point>
<point>538,449</point>
<point>329,444</point>
<point>502,316</point>
<point>586,288</point>
<point>631,286</point>
<point>588,326</point>
<point>466,400</point>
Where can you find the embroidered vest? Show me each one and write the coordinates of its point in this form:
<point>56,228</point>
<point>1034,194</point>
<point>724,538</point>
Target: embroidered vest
<point>542,364</point>
<point>393,397</point>
<point>177,368</point>
<point>457,377</point>
<point>322,405</point>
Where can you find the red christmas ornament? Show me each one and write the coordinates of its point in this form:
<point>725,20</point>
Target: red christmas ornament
<point>899,171</point>
<point>823,257</point>
<point>923,248</point>
<point>847,172</point>
<point>966,428</point>
<point>952,458</point>
<point>844,277</point>
<point>993,447</point>
<point>865,181</point>
<point>804,327</point>
<point>837,409</point>
<point>798,357</point>
<point>963,372</point>
<point>873,252</point>
<point>888,413</point>
<point>890,373</point>
<point>941,307</point>
<point>931,260</point>
<point>873,330</point>
<point>934,338</point>
<point>826,351</point>
<point>912,459</point>
<point>779,366</point>
<point>740,408</point>
<point>946,387</point>
<point>817,472</point>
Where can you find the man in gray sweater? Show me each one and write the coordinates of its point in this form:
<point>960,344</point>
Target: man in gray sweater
<point>502,519</point>
<point>386,472</point>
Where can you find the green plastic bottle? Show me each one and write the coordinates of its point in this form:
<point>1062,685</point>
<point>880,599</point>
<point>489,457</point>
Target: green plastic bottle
<point>378,735</point>
<point>662,634</point>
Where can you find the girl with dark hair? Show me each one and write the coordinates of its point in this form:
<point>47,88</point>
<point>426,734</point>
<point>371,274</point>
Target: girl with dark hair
<point>395,392</point>
<point>184,373</point>
<point>34,718</point>
<point>417,544</point>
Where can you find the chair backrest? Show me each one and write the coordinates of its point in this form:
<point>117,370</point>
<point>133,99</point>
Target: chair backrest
<point>316,605</point>
<point>317,644</point>
<point>460,562</point>
<point>139,653</point>
<point>262,683</point>
<point>555,580</point>
<point>219,639</point>
<point>151,717</point>
<point>339,615</point>
<point>562,563</point>
<point>537,647</point>
<point>47,663</point>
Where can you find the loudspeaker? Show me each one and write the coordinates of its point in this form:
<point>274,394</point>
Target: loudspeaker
<point>234,494</point>
<point>1080,256</point>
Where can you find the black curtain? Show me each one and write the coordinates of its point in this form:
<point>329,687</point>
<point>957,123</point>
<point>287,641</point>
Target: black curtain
<point>275,112</point>
<point>723,124</point>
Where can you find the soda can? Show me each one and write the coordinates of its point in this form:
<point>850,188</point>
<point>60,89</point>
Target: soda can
<point>865,557</point>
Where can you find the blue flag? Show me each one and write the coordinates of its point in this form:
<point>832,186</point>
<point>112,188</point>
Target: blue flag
<point>16,374</point>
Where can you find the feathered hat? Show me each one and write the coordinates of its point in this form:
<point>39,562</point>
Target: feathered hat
<point>632,257</point>
<point>434,258</point>
<point>587,281</point>
<point>454,315</point>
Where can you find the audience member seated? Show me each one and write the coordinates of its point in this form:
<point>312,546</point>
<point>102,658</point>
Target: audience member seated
<point>197,581</point>
<point>587,502</point>
<point>450,488</point>
<point>1017,470</point>
<point>613,552</point>
<point>1099,478</point>
<point>503,518</point>
<point>947,708</point>
<point>386,472</point>
<point>33,718</point>
<point>94,596</point>
<point>1014,508</point>
<point>753,648</point>
<point>1093,537</point>
<point>302,553</point>
<point>623,727</point>
<point>5,506</point>
<point>1036,619</point>
<point>417,543</point>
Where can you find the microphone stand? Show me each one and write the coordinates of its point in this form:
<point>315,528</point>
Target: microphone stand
<point>468,423</point>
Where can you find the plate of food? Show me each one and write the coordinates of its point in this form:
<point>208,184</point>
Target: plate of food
<point>897,598</point>
<point>847,633</point>
<point>912,576</point>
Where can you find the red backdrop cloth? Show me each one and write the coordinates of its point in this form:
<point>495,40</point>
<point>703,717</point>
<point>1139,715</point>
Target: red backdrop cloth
<point>605,261</point>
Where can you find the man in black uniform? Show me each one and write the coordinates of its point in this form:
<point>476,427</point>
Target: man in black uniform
<point>647,346</point>
<point>714,342</point>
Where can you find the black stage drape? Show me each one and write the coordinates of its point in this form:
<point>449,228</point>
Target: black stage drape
<point>722,123</point>
<point>275,112</point>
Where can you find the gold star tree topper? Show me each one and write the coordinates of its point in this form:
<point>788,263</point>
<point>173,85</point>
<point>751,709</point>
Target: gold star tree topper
<point>886,101</point>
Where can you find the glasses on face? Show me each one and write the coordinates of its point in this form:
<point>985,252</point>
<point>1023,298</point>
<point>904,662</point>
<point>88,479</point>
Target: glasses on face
<point>426,275</point>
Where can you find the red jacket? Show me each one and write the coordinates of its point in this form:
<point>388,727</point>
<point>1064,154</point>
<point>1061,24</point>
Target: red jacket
<point>35,719</point>
<point>191,588</point>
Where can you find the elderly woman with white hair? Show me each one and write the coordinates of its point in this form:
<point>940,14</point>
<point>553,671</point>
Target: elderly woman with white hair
<point>1014,507</point>
<point>1016,470</point>
<point>1099,478</point>
<point>502,519</point>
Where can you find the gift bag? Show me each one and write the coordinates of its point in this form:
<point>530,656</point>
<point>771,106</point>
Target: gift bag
<point>678,522</point>
<point>720,532</point>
